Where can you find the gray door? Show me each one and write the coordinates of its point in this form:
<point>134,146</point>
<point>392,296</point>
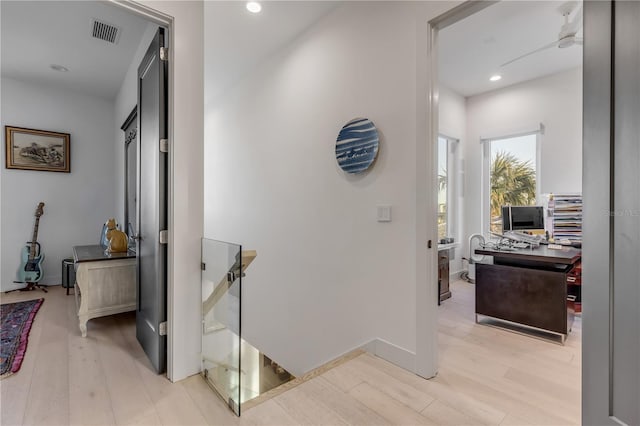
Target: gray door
<point>611,181</point>
<point>152,206</point>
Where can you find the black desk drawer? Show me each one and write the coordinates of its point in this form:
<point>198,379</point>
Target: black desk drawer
<point>533,297</point>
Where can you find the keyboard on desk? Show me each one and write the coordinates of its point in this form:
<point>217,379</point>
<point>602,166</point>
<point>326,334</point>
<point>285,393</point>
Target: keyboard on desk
<point>526,238</point>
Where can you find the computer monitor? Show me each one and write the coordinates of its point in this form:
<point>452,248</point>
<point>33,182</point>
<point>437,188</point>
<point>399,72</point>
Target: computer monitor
<point>522,218</point>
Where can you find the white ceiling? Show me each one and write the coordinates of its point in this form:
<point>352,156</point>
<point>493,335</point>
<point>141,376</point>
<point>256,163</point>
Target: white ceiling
<point>237,40</point>
<point>36,34</point>
<point>471,50</point>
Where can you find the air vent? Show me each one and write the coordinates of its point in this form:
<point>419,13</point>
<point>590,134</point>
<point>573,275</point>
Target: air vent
<point>103,31</point>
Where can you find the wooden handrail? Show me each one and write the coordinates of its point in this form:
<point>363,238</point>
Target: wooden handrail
<point>225,283</point>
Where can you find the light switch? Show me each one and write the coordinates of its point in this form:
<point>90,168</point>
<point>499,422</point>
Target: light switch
<point>384,213</point>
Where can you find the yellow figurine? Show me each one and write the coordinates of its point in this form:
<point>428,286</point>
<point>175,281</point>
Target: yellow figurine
<point>117,239</point>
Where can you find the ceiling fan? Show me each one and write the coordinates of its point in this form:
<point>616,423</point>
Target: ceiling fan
<point>567,36</point>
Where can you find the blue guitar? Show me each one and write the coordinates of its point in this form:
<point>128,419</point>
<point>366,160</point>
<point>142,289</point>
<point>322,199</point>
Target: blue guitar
<point>30,271</point>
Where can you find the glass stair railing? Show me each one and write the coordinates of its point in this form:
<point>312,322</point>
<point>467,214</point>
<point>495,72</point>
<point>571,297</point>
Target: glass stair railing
<point>235,369</point>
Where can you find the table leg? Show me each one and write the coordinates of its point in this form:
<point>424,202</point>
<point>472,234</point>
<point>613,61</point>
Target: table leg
<point>83,326</point>
<point>80,291</point>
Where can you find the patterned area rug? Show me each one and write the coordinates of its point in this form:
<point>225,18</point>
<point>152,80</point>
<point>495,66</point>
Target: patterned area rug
<point>15,326</point>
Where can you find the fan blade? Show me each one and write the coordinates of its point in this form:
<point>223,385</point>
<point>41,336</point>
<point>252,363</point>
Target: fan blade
<point>548,46</point>
<point>576,24</point>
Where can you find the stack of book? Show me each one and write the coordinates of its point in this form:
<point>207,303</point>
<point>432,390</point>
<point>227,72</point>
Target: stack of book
<point>566,213</point>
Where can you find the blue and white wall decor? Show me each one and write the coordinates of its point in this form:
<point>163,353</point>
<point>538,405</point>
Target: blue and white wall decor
<point>357,145</point>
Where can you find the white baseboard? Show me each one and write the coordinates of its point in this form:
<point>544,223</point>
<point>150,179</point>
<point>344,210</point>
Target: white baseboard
<point>401,357</point>
<point>455,275</point>
<point>369,347</point>
<point>17,286</point>
<point>47,280</point>
<point>388,351</point>
<point>12,286</point>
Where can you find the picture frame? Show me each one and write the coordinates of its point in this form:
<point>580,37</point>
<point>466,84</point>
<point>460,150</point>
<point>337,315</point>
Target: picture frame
<point>30,149</point>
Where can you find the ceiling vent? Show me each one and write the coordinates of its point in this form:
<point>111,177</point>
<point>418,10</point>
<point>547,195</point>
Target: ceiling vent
<point>103,31</point>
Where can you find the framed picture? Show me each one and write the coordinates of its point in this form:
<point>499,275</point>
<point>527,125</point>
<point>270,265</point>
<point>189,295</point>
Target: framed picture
<point>30,149</point>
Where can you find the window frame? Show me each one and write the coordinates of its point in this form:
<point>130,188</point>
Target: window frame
<point>453,145</point>
<point>486,173</point>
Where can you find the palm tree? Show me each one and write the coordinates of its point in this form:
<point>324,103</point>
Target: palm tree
<point>442,208</point>
<point>513,182</point>
<point>442,180</point>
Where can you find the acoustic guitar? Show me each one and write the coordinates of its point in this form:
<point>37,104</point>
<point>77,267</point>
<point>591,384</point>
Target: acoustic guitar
<point>31,267</point>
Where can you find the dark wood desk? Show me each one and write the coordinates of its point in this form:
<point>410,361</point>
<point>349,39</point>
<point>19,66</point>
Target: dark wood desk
<point>527,286</point>
<point>444,257</point>
<point>564,256</point>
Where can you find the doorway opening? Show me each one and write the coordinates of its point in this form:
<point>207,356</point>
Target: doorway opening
<point>77,74</point>
<point>509,88</point>
<point>148,207</point>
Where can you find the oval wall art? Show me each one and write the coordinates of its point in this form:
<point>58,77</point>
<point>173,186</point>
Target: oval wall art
<point>357,145</point>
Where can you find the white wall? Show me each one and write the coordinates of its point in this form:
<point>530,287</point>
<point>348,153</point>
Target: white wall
<point>555,101</point>
<point>77,203</point>
<point>452,122</point>
<point>452,110</point>
<point>328,277</point>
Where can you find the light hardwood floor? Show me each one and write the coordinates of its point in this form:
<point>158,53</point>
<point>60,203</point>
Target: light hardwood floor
<point>487,376</point>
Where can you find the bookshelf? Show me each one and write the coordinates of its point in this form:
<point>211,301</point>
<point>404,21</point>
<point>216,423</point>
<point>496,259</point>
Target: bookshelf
<point>565,211</point>
<point>565,214</point>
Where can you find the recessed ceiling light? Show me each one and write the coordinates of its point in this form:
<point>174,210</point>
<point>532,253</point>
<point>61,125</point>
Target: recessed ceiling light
<point>495,77</point>
<point>254,7</point>
<point>60,68</point>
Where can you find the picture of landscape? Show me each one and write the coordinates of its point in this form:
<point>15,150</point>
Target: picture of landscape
<point>29,149</point>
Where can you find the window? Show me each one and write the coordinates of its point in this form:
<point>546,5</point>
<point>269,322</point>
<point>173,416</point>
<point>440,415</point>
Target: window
<point>446,186</point>
<point>511,175</point>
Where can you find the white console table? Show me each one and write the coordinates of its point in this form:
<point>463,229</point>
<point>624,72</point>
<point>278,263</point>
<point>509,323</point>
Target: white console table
<point>105,282</point>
